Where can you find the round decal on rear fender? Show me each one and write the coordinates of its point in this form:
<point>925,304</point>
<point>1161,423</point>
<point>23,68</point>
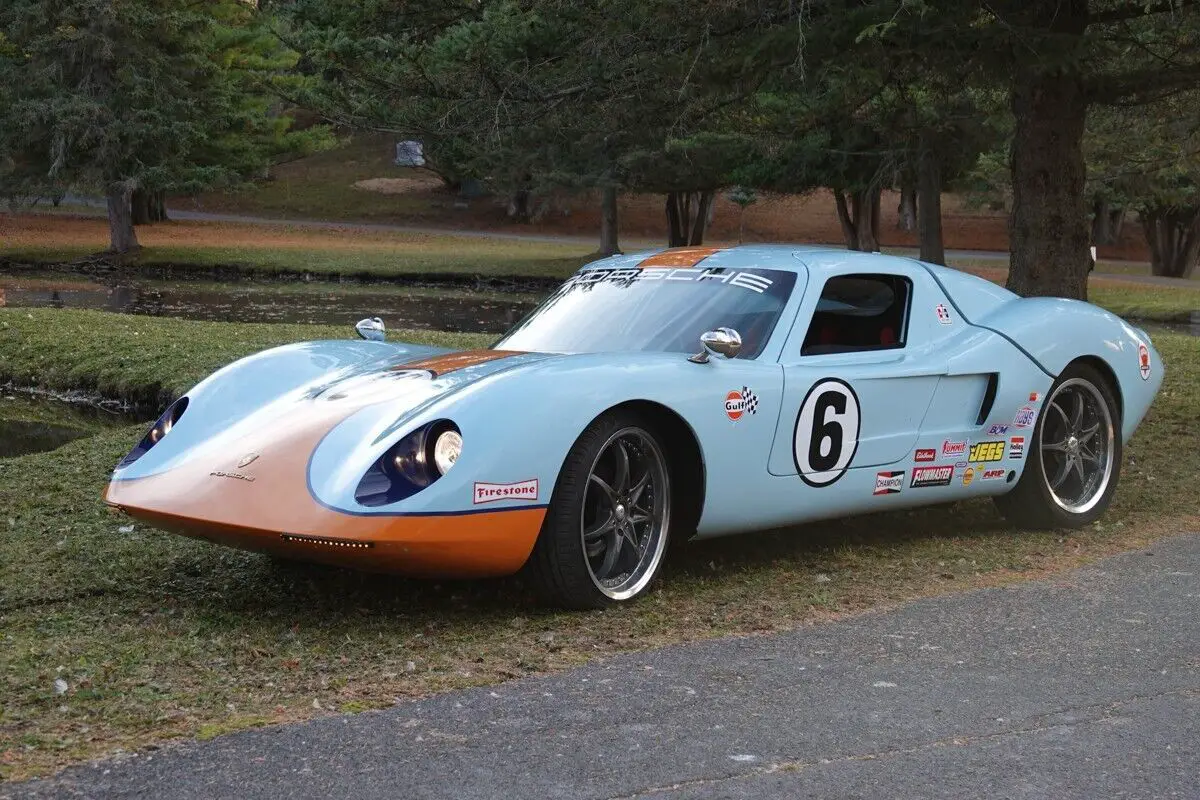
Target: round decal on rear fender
<point>827,430</point>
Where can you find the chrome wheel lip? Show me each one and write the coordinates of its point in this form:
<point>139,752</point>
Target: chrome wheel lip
<point>647,566</point>
<point>1106,428</point>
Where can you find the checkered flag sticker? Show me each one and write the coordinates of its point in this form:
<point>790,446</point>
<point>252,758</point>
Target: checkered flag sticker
<point>751,400</point>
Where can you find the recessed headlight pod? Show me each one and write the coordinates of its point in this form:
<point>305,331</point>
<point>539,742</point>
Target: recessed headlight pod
<point>411,464</point>
<point>160,429</point>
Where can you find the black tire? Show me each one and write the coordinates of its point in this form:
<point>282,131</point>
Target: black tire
<point>1032,503</point>
<point>562,567</point>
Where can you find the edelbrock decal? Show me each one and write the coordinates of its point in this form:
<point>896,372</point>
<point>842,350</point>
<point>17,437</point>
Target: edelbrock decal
<point>491,492</point>
<point>923,477</point>
<point>925,454</point>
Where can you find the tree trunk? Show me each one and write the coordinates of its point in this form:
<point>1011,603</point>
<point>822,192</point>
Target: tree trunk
<point>158,206</point>
<point>118,196</point>
<point>1174,238</point>
<point>699,227</point>
<point>929,207</point>
<point>139,202</point>
<point>518,205</point>
<point>608,222</point>
<point>908,209</point>
<point>1049,228</point>
<point>675,235</point>
<point>858,212</point>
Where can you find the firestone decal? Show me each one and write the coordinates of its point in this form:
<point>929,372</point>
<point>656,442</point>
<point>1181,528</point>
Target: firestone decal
<point>827,429</point>
<point>943,314</point>
<point>1016,447</point>
<point>923,477</point>
<point>987,451</point>
<point>1025,417</point>
<point>491,492</point>
<point>925,454</point>
<point>739,402</point>
<point>889,482</point>
<point>1144,361</point>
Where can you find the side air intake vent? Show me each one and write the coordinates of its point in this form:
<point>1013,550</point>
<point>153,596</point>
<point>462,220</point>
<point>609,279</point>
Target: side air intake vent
<point>989,398</point>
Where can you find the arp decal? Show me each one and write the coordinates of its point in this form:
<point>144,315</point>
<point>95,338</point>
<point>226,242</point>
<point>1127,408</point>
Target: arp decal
<point>491,492</point>
<point>997,430</point>
<point>827,430</point>
<point>1144,361</point>
<point>987,451</point>
<point>923,477</point>
<point>1016,447</point>
<point>925,454</point>
<point>953,449</point>
<point>992,474</point>
<point>968,476</point>
<point>889,482</point>
<point>943,314</point>
<point>739,402</point>
<point>1025,417</point>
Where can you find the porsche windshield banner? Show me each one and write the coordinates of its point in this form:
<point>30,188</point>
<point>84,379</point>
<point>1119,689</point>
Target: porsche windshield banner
<point>755,280</point>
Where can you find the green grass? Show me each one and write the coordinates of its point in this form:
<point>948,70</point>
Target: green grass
<point>241,640</point>
<point>148,360</point>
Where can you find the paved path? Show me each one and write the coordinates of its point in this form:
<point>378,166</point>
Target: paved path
<point>630,243</point>
<point>1084,686</point>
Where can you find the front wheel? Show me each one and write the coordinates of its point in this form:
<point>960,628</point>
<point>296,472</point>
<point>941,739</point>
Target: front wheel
<point>1074,456</point>
<point>608,524</point>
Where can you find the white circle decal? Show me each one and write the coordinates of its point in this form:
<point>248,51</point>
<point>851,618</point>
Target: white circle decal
<point>827,429</point>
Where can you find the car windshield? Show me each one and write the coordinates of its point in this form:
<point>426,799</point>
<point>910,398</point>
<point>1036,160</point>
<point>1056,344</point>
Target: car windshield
<point>655,309</point>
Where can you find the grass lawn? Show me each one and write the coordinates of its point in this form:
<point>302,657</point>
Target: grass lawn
<point>241,640</point>
<point>290,250</point>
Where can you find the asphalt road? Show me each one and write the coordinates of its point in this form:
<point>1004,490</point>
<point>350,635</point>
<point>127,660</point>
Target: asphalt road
<point>1084,686</point>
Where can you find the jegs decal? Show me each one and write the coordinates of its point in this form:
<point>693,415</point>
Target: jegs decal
<point>987,451</point>
<point>739,402</point>
<point>827,430</point>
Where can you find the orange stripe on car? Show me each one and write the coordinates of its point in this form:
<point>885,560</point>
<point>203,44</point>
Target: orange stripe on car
<point>440,365</point>
<point>679,257</point>
<point>256,507</point>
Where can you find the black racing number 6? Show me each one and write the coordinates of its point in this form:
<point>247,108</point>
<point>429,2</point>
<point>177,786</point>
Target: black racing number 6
<point>827,430</point>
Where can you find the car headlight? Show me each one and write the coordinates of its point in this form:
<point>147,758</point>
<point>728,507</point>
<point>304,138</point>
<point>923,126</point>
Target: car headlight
<point>411,464</point>
<point>446,450</point>
<point>161,428</point>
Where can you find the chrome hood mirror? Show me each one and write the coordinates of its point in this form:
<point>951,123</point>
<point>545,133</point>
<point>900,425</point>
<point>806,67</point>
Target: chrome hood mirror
<point>723,342</point>
<point>371,329</point>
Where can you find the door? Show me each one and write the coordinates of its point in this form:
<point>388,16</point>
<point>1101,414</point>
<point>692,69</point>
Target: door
<point>861,368</point>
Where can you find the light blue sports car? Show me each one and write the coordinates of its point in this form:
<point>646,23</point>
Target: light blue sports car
<point>687,393</point>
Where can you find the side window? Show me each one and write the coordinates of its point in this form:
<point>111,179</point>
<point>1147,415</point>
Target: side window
<point>859,312</point>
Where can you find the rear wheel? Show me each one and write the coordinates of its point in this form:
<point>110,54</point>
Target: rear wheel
<point>607,527</point>
<point>1074,457</point>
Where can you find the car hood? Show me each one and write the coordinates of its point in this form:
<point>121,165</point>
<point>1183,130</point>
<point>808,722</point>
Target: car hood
<point>254,406</point>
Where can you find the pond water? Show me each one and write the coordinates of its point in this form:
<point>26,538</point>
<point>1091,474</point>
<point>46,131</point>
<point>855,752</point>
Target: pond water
<point>38,424</point>
<point>315,303</point>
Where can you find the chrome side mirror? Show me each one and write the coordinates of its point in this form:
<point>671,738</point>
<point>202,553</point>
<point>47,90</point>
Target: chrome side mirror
<point>723,342</point>
<point>371,329</point>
